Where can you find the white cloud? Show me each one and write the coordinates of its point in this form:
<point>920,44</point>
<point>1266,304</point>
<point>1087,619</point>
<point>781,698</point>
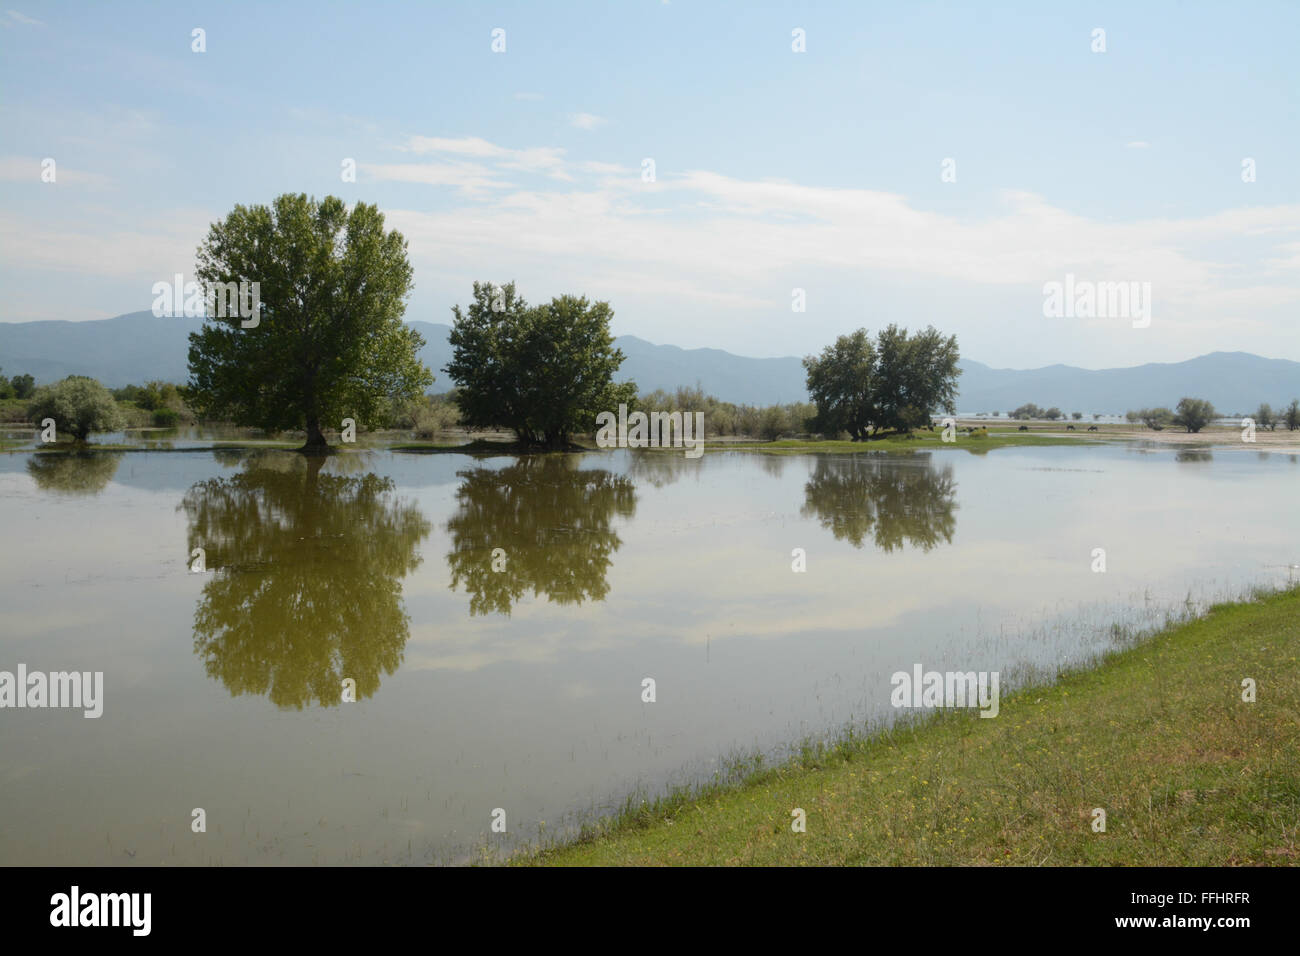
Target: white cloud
<point>728,243</point>
<point>115,253</point>
<point>528,96</point>
<point>1137,144</point>
<point>17,17</point>
<point>733,248</point>
<point>586,120</point>
<point>471,178</point>
<point>538,159</point>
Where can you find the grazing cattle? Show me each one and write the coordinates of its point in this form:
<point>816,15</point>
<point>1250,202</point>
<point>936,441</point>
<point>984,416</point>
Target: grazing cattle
<point>1024,428</point>
<point>1092,428</point>
<point>1069,428</point>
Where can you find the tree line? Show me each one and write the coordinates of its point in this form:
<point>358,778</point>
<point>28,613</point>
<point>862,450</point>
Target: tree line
<point>330,344</point>
<point>1195,413</point>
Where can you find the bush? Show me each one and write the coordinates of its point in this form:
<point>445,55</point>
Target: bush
<point>773,423</point>
<point>78,405</point>
<point>1193,414</point>
<point>166,417</point>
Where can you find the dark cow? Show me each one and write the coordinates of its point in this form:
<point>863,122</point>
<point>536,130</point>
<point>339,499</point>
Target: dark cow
<point>1092,428</point>
<point>1069,428</point>
<point>1024,428</point>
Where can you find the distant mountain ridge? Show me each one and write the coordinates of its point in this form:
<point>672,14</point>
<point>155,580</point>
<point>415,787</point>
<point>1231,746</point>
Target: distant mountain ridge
<point>137,347</point>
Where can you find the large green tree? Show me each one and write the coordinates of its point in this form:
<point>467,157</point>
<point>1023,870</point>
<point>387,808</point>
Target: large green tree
<point>329,342</point>
<point>543,371</point>
<point>895,384</point>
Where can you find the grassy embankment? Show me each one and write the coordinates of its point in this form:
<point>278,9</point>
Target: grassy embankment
<point>1156,735</point>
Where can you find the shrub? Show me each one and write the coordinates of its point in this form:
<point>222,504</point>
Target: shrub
<point>79,405</point>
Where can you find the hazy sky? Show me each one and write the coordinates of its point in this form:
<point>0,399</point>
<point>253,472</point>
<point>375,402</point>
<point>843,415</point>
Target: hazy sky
<point>774,169</point>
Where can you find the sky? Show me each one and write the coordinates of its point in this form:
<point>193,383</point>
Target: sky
<point>920,163</point>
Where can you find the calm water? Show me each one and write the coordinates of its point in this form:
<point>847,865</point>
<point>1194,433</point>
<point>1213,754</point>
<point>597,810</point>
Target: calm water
<point>521,688</point>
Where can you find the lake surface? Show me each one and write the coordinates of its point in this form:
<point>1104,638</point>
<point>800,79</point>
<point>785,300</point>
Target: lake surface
<point>521,688</point>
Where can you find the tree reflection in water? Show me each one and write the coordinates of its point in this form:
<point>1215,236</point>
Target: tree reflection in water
<point>305,572</point>
<point>888,499</point>
<point>553,521</point>
<point>74,473</point>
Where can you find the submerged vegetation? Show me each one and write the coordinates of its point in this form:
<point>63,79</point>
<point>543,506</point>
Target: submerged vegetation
<point>1158,736</point>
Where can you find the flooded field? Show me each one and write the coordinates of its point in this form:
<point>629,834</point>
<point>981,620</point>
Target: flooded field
<point>497,619</point>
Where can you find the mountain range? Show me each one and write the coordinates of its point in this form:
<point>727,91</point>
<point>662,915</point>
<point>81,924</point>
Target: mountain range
<point>139,346</point>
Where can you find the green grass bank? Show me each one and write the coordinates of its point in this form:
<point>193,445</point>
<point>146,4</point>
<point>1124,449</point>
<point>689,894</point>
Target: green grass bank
<point>1156,735</point>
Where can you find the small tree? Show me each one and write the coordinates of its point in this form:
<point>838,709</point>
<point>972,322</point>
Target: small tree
<point>79,405</point>
<point>1264,416</point>
<point>1293,415</point>
<point>1052,414</point>
<point>840,384</point>
<point>774,422</point>
<point>1193,414</point>
<point>546,371</point>
<point>915,376</point>
<point>1154,418</point>
<point>24,386</point>
<point>1029,410</point>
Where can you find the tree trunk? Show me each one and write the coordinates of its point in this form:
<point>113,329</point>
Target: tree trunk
<point>316,444</point>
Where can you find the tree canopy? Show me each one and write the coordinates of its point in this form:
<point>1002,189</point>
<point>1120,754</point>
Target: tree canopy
<point>20,386</point>
<point>893,384</point>
<point>1193,414</point>
<point>543,371</point>
<point>329,342</point>
<point>1154,418</point>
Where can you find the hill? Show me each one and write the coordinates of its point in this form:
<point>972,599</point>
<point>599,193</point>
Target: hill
<point>136,347</point>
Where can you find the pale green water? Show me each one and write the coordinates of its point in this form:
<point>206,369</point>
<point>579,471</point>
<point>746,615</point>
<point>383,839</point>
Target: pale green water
<point>521,688</point>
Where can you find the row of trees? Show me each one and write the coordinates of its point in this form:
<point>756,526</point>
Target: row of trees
<point>1265,417</point>
<point>726,418</point>
<point>20,386</point>
<point>329,343</point>
<point>1030,410</point>
<point>1191,413</point>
